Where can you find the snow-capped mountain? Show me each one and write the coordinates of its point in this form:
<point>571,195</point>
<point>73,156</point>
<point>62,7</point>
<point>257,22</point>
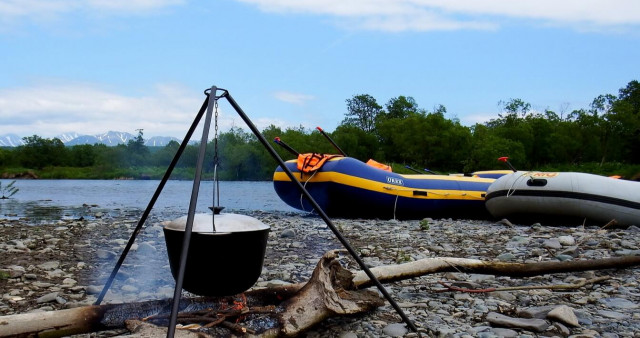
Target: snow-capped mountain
<point>81,139</point>
<point>10,140</point>
<point>111,138</point>
<point>67,137</point>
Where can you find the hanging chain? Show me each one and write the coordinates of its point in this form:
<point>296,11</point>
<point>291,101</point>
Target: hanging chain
<point>215,155</point>
<point>215,135</point>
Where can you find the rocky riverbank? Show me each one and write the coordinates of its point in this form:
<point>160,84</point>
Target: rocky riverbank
<point>64,264</point>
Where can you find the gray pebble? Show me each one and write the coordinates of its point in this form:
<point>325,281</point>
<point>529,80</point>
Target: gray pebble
<point>619,303</point>
<point>395,330</point>
<point>536,325</point>
<point>50,297</point>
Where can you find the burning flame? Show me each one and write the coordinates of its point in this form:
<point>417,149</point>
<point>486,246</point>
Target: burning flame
<point>241,304</point>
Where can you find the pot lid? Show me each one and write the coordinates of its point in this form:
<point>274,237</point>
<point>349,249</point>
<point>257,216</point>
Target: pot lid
<point>224,223</point>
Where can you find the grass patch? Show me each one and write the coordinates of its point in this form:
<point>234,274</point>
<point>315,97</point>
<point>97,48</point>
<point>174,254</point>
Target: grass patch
<point>4,275</point>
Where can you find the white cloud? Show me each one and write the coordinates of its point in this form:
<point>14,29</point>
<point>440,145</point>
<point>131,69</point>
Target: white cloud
<point>472,119</point>
<point>51,109</point>
<point>293,98</point>
<point>47,9</point>
<point>425,15</point>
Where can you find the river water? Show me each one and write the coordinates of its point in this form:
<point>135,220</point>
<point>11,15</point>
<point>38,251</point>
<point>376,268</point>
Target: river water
<point>50,200</point>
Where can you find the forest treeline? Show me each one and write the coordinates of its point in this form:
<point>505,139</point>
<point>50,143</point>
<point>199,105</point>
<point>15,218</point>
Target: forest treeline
<point>603,138</point>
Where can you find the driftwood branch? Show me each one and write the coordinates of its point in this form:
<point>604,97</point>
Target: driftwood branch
<point>390,273</point>
<point>579,284</point>
<point>326,296</point>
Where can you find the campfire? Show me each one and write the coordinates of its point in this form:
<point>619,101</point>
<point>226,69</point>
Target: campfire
<point>229,313</point>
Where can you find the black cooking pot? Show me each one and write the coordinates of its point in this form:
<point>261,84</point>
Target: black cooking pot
<point>221,263</point>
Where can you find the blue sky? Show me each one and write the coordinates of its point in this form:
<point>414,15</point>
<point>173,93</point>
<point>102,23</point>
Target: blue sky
<point>90,66</point>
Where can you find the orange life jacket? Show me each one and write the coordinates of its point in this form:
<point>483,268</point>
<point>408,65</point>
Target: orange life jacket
<point>311,162</point>
<point>379,165</point>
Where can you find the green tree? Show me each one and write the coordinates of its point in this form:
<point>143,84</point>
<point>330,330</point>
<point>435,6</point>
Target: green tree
<point>109,158</point>
<point>487,147</point>
<point>627,112</point>
<point>137,152</point>
<point>357,143</point>
<point>7,157</point>
<point>82,155</point>
<point>425,139</point>
<point>588,133</point>
<point>400,107</point>
<point>513,125</point>
<point>165,155</point>
<point>515,107</point>
<point>362,111</point>
<point>38,152</point>
<point>609,125</point>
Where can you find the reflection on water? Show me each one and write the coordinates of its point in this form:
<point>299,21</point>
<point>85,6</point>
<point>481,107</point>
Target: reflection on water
<point>41,201</point>
<point>35,212</point>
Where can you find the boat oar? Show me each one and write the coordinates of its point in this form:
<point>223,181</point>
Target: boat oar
<point>505,159</point>
<point>331,141</point>
<point>420,172</point>
<point>281,143</point>
<point>430,172</point>
<point>414,170</point>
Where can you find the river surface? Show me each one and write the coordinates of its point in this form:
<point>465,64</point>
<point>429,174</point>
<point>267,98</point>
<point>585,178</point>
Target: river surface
<point>50,200</point>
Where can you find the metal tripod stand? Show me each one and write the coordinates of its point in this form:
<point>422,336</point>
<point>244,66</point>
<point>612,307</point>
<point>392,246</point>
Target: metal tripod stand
<point>207,105</point>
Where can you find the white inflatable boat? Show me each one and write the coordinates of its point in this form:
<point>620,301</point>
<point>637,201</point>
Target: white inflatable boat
<point>561,196</point>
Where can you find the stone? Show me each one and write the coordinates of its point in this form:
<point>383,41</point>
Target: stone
<point>567,240</point>
<point>348,335</point>
<point>105,254</point>
<point>506,257</point>
<point>564,314</point>
<point>146,248</point>
<point>504,295</point>
<point>52,265</point>
<point>506,333</point>
<point>93,289</point>
<point>288,233</point>
<point>613,314</point>
<point>536,325</point>
<point>619,303</point>
<point>50,297</point>
<point>552,243</point>
<point>13,271</point>
<point>570,251</point>
<point>563,258</point>
<point>69,281</point>
<point>395,330</point>
<point>481,278</point>
<point>564,331</point>
<point>628,244</point>
<point>539,312</point>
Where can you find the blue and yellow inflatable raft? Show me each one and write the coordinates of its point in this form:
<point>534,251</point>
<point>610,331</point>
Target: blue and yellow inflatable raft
<point>347,187</point>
